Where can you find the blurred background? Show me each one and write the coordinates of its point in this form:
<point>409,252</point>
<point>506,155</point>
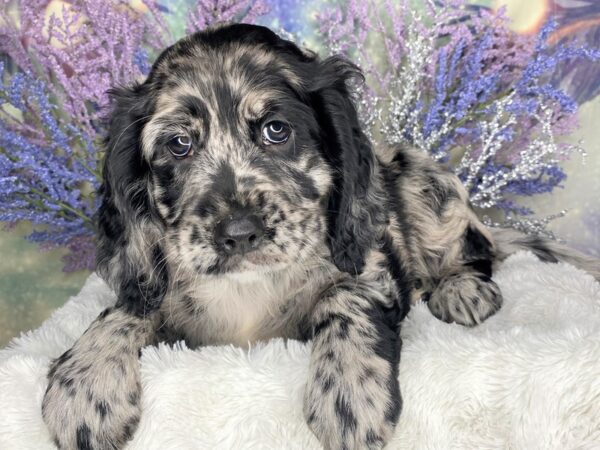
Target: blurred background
<point>33,283</point>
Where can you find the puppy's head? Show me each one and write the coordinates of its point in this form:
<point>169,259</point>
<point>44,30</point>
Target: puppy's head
<point>239,153</point>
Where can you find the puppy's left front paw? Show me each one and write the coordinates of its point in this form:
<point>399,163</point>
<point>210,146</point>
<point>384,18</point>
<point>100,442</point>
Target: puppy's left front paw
<point>93,395</point>
<point>467,298</point>
<point>91,406</point>
<point>351,417</point>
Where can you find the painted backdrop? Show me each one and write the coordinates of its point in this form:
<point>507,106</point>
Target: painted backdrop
<point>32,283</point>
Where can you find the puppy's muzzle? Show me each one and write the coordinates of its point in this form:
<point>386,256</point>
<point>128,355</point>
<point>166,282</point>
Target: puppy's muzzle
<point>239,234</point>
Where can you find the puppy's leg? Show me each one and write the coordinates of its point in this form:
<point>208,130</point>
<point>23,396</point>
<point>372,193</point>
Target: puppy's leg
<point>93,395</point>
<point>352,398</point>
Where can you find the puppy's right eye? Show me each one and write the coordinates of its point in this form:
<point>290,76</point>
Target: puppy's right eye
<point>180,146</point>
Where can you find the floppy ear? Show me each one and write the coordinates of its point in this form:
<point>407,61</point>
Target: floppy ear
<point>129,257</point>
<point>356,208</point>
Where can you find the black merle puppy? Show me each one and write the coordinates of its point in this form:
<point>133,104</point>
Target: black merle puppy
<point>242,201</point>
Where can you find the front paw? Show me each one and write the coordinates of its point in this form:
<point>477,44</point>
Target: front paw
<point>93,395</point>
<point>351,417</point>
<point>87,407</point>
<point>466,298</point>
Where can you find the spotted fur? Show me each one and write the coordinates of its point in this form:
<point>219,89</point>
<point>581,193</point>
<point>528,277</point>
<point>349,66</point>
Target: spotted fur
<point>348,235</point>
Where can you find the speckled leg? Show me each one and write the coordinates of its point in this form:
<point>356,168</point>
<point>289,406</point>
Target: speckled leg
<point>352,398</point>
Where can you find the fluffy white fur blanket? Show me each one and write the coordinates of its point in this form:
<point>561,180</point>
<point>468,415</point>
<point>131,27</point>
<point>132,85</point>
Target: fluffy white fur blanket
<point>528,378</point>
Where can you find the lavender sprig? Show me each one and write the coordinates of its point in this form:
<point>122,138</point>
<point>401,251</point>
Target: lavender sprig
<point>47,177</point>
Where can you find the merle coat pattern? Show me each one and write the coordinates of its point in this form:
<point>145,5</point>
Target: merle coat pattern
<point>242,201</point>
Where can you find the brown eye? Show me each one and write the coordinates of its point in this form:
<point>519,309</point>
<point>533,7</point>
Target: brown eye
<point>276,132</point>
<point>180,146</point>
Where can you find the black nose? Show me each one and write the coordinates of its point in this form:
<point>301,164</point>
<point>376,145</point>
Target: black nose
<point>239,234</point>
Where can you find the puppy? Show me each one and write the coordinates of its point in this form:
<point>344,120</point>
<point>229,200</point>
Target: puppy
<point>242,201</point>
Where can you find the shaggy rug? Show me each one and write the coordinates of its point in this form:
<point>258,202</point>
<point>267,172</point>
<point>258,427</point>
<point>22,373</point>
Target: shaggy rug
<point>528,378</point>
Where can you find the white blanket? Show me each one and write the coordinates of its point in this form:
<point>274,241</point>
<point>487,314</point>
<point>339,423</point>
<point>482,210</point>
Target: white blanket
<point>528,378</point>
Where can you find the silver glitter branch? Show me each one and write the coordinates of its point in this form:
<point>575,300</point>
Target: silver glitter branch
<point>492,140</point>
<point>538,227</point>
<point>406,90</point>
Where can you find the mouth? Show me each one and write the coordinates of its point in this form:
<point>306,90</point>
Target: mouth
<point>252,261</point>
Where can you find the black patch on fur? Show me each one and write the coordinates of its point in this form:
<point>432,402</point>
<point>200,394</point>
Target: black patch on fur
<point>478,252</point>
<point>482,265</point>
<point>373,438</point>
<point>66,356</point>
<point>304,333</point>
<point>401,277</point>
<point>195,236</point>
<point>102,408</point>
<point>252,35</point>
<point>539,249</point>
<point>223,182</point>
<point>103,314</point>
<point>344,413</point>
<point>306,184</point>
<point>228,102</point>
<point>134,398</point>
<point>401,161</point>
<point>194,106</point>
<point>84,439</point>
<point>66,382</point>
<point>214,269</point>
<point>343,329</point>
<point>141,296</point>
<point>205,207</point>
<point>387,346</point>
<point>476,246</point>
<point>130,428</point>
<point>165,177</point>
<point>329,320</point>
<point>327,383</point>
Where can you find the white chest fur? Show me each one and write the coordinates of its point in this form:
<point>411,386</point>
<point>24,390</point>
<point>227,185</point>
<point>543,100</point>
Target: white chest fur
<point>239,309</point>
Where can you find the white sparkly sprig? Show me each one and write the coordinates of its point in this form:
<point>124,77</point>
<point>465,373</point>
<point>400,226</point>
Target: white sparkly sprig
<point>406,90</point>
<point>536,227</point>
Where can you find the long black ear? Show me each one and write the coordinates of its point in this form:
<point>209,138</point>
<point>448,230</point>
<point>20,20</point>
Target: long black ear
<point>128,255</point>
<point>356,208</point>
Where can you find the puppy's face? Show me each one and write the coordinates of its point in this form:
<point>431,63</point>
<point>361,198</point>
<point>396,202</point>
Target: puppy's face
<point>237,172</point>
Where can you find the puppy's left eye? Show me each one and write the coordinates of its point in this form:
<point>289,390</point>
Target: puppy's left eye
<point>276,132</point>
<point>180,146</point>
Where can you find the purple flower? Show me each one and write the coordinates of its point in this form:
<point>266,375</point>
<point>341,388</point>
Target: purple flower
<point>43,176</point>
<point>208,12</point>
<point>82,51</point>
